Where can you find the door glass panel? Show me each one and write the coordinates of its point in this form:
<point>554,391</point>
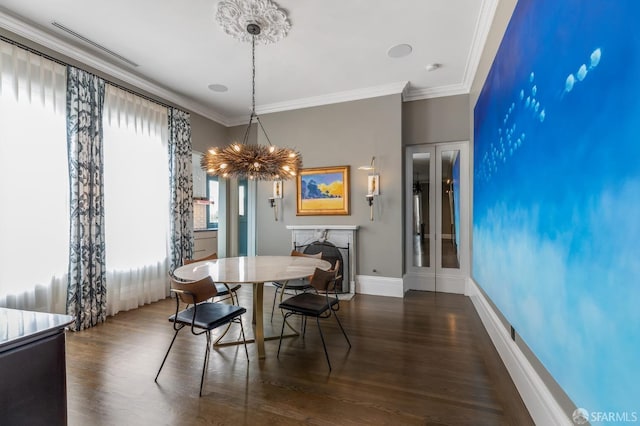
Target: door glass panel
<point>450,241</point>
<point>242,217</point>
<point>214,198</point>
<point>421,225</point>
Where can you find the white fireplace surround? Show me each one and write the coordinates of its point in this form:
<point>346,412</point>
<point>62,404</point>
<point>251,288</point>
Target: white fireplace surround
<point>338,235</point>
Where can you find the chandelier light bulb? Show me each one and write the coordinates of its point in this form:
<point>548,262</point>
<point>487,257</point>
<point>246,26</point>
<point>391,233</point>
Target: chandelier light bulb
<point>223,165</point>
<point>236,147</point>
<point>212,152</point>
<point>271,149</point>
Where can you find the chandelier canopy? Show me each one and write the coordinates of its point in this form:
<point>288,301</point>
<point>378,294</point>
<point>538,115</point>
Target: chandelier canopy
<point>243,160</point>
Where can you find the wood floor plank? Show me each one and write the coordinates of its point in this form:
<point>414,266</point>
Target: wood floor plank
<point>421,360</point>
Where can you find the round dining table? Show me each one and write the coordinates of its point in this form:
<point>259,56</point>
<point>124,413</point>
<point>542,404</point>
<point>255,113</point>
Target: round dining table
<point>255,270</point>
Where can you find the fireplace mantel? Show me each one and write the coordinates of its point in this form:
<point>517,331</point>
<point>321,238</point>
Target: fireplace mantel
<point>339,235</point>
<point>321,227</point>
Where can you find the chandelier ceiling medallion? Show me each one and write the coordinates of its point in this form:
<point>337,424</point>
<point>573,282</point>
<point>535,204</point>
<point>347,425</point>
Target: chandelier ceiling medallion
<point>254,21</point>
<point>234,16</point>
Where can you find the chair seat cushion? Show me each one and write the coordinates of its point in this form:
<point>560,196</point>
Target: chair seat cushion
<point>209,315</point>
<point>222,289</point>
<point>299,284</point>
<point>308,303</point>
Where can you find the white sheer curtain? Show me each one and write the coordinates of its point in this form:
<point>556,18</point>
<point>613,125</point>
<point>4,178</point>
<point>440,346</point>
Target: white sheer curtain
<point>34,183</point>
<point>136,176</point>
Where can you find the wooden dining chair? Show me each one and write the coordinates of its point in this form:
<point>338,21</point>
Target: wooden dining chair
<point>323,304</point>
<point>201,316</point>
<point>225,291</point>
<point>297,285</point>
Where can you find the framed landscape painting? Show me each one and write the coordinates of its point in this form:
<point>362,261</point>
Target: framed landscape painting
<point>323,191</point>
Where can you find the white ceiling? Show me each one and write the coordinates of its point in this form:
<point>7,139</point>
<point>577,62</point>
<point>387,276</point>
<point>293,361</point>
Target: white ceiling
<point>335,51</point>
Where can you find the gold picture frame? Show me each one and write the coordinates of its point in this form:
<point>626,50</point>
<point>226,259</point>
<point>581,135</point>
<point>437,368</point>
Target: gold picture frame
<point>323,191</point>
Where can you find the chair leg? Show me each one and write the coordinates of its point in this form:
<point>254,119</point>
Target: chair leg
<point>273,307</point>
<point>284,321</point>
<point>206,359</point>
<point>167,354</point>
<point>224,333</point>
<point>246,351</point>
<point>304,325</point>
<point>341,328</point>
<point>323,344</point>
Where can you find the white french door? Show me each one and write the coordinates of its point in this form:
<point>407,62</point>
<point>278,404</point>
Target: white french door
<point>437,217</point>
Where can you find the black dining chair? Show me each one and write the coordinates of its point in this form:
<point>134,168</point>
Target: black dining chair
<point>201,316</point>
<point>323,304</point>
<point>297,285</point>
<point>225,291</point>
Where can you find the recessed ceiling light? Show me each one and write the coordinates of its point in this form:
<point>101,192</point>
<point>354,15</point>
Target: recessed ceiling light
<point>399,50</point>
<point>218,88</point>
<point>433,67</point>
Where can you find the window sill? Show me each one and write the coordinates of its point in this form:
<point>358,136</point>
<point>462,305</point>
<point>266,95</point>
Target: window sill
<point>205,229</point>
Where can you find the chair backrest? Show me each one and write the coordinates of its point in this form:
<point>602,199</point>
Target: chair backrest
<point>325,280</point>
<point>194,291</point>
<point>298,253</point>
<point>213,256</point>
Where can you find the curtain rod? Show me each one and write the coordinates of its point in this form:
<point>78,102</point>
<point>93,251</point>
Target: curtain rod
<point>61,62</point>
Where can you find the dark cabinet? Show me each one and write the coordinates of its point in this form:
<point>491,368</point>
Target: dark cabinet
<point>32,368</point>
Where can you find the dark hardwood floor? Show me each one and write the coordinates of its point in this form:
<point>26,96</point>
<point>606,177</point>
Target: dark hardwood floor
<point>421,360</point>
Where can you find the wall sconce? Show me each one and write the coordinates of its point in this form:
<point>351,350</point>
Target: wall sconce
<point>277,195</point>
<point>373,184</point>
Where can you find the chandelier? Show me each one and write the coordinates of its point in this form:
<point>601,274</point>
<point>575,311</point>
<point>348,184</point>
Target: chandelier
<point>257,20</point>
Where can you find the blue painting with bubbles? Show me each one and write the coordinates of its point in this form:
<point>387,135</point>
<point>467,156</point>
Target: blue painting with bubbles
<point>556,203</point>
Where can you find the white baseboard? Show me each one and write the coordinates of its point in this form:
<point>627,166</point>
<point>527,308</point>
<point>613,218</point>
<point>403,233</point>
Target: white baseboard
<point>451,284</point>
<point>443,283</point>
<point>542,406</point>
<point>379,286</point>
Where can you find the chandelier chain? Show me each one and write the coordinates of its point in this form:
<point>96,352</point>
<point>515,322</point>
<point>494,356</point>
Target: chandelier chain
<point>253,75</point>
<point>252,160</point>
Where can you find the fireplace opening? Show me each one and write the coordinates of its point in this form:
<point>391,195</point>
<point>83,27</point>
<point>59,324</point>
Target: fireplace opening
<point>331,253</point>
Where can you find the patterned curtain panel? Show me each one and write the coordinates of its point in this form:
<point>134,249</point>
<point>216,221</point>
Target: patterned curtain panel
<point>181,179</point>
<point>86,294</point>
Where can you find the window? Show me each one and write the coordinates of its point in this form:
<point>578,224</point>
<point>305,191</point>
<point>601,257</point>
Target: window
<point>34,181</point>
<point>136,191</point>
<point>213,196</point>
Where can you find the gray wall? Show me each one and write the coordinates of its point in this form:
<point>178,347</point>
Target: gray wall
<point>236,133</point>
<point>344,134</point>
<point>206,133</point>
<point>436,120</point>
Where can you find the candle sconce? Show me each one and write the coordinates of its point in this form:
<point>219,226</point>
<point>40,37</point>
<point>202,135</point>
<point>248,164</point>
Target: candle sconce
<point>277,195</point>
<point>373,185</point>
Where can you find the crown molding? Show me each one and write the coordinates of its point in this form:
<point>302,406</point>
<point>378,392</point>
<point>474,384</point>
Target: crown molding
<point>53,42</point>
<point>483,26</point>
<point>331,98</point>
<point>435,92</point>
